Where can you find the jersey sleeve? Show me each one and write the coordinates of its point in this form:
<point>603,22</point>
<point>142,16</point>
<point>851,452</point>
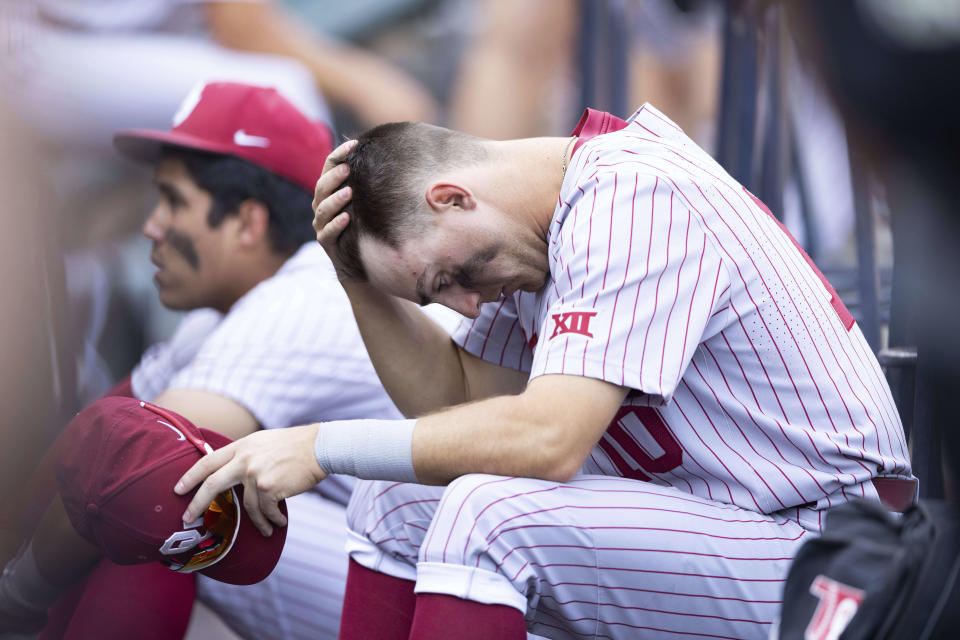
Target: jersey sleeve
<point>637,280</point>
<point>496,335</point>
<point>290,355</point>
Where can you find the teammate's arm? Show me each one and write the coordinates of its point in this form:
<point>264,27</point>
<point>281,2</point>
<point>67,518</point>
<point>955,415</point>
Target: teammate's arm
<point>419,365</point>
<point>210,411</point>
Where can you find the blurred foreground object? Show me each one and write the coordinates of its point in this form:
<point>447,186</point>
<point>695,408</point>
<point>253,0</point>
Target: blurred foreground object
<point>36,384</point>
<point>891,67</point>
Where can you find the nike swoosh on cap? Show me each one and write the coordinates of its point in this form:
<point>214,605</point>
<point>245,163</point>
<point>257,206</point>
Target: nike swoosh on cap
<point>244,139</point>
<point>179,433</point>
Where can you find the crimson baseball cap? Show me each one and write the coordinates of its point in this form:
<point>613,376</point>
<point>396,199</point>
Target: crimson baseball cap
<point>250,122</point>
<point>119,460</point>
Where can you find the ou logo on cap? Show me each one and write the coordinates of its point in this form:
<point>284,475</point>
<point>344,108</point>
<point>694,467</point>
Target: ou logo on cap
<point>183,541</point>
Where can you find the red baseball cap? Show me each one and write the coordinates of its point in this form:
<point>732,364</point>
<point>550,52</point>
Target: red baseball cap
<point>119,460</point>
<point>250,122</point>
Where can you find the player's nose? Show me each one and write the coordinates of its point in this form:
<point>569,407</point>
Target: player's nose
<point>153,227</point>
<point>466,304</point>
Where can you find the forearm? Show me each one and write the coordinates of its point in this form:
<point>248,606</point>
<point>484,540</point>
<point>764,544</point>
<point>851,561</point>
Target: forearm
<point>500,436</point>
<point>417,362</point>
<point>546,432</point>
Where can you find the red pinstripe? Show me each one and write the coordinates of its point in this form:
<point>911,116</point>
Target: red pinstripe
<point>626,269</point>
<point>615,528</point>
<point>503,351</point>
<point>689,454</point>
<point>651,610</point>
<point>626,343</point>
<point>694,430</point>
<point>733,450</point>
<point>656,294</point>
<point>496,528</point>
<point>757,403</point>
<point>492,322</point>
<point>803,499</point>
<point>607,587</point>
<point>593,208</point>
<point>676,296</point>
<point>645,628</point>
<point>394,509</point>
<point>651,132</point>
<point>657,571</point>
<point>661,119</point>
<point>686,330</point>
<point>460,509</point>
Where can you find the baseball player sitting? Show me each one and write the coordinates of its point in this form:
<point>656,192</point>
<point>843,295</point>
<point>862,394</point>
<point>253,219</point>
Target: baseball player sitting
<point>271,343</point>
<point>654,398</point>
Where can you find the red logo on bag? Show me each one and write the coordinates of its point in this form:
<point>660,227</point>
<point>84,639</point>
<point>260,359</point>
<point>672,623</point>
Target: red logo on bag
<point>572,322</point>
<point>838,604</point>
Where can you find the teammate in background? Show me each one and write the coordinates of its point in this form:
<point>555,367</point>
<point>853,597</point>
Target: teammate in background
<point>679,389</point>
<point>270,343</point>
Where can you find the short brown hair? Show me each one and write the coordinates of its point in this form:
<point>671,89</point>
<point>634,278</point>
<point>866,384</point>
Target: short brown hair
<point>389,169</point>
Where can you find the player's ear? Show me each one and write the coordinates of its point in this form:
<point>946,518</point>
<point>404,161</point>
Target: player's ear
<point>253,220</point>
<point>445,196</point>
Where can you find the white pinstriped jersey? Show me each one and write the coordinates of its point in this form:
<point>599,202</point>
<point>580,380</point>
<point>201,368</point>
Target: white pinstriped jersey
<point>750,384</point>
<point>288,351</point>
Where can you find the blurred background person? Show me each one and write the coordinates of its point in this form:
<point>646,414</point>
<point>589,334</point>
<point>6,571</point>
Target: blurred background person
<point>90,68</point>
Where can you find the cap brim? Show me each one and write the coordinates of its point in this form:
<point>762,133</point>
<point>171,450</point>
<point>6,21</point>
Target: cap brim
<point>252,557</point>
<point>146,145</point>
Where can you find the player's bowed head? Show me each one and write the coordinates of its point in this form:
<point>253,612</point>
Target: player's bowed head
<point>433,215</point>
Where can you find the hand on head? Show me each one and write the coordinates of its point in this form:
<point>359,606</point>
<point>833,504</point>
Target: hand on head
<point>271,465</point>
<point>329,218</point>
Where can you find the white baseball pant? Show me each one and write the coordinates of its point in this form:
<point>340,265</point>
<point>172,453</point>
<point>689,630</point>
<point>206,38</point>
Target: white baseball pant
<point>597,557</point>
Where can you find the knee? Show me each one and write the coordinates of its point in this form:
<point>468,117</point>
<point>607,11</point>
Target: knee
<point>476,508</point>
<point>479,496</point>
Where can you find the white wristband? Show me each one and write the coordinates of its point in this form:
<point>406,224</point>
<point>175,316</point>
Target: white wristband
<point>368,449</point>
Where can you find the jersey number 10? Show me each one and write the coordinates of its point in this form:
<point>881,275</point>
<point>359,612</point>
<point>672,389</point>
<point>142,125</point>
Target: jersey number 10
<point>638,439</point>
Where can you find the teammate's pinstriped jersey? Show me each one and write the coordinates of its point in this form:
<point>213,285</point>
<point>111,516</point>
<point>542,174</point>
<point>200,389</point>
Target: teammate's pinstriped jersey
<point>288,351</point>
<point>750,383</point>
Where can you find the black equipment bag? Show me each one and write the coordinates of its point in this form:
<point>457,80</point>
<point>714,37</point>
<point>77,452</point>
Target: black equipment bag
<point>875,575</point>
